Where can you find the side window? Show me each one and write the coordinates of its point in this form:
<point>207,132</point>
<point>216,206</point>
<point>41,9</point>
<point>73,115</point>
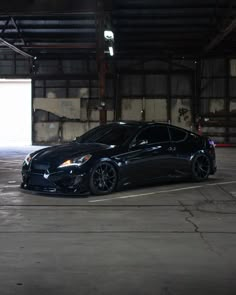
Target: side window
<point>154,134</point>
<point>177,134</point>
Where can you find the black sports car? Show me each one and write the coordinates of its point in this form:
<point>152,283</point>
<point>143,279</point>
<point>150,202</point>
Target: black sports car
<point>117,154</point>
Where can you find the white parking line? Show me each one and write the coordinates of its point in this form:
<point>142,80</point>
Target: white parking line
<point>161,192</point>
<point>233,169</point>
<point>220,183</point>
<point>7,168</point>
<point>14,194</point>
<point>9,186</point>
<point>11,162</point>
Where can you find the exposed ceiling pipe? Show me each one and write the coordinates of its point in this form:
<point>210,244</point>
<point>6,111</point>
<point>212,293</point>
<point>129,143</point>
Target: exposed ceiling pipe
<point>41,14</point>
<point>220,37</point>
<point>61,46</point>
<point>16,49</point>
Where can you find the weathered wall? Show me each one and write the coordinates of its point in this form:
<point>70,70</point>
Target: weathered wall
<point>217,99</point>
<point>181,113</point>
<point>149,97</point>
<point>63,107</point>
<point>55,132</point>
<point>154,90</point>
<point>155,109</point>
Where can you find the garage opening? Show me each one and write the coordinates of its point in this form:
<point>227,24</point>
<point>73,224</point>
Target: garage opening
<point>16,112</point>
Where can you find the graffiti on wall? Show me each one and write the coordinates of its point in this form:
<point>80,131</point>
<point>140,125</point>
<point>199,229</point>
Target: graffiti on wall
<point>183,114</point>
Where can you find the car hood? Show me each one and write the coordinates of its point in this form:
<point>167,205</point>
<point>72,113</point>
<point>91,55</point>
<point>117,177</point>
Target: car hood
<point>59,153</point>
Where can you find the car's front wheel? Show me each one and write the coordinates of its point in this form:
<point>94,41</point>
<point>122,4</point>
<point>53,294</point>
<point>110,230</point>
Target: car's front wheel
<point>103,179</point>
<point>201,167</point>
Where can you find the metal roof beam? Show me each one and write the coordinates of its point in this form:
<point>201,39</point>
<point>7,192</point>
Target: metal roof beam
<point>57,27</point>
<point>224,24</point>
<point>156,26</point>
<point>5,26</point>
<point>141,6</point>
<point>220,37</point>
<point>18,30</point>
<point>34,35</point>
<point>163,59</point>
<point>16,49</point>
<point>167,16</point>
<point>62,46</point>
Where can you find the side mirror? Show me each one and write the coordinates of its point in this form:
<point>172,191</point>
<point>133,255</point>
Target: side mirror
<point>75,138</point>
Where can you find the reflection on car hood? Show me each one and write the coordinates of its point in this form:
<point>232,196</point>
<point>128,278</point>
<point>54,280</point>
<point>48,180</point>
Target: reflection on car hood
<point>67,151</point>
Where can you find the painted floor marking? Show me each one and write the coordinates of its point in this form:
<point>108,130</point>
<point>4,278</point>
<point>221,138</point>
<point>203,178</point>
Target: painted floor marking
<point>163,191</point>
<point>12,169</point>
<point>14,194</point>
<point>12,161</point>
<point>220,183</point>
<point>233,169</point>
<point>9,186</point>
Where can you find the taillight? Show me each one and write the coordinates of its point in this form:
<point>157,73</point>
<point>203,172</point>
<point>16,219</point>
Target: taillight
<point>211,147</point>
<point>211,142</point>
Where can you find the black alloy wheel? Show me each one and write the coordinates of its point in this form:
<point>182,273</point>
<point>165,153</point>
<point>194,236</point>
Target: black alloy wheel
<point>103,179</point>
<point>201,167</point>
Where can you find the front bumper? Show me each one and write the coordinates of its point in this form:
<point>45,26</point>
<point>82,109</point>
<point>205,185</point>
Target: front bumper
<point>64,181</point>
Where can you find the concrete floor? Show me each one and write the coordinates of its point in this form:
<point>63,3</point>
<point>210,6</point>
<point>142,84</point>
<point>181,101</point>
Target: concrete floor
<point>167,239</point>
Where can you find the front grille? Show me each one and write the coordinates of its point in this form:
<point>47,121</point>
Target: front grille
<point>39,180</point>
<point>39,166</point>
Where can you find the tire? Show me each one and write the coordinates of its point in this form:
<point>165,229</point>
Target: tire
<point>201,167</point>
<point>103,179</point>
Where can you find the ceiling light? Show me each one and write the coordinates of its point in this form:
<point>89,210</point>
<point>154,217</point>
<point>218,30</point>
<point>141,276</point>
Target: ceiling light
<point>108,35</point>
<point>111,51</point>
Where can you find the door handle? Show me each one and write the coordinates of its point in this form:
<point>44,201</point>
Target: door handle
<point>171,149</point>
<point>154,148</point>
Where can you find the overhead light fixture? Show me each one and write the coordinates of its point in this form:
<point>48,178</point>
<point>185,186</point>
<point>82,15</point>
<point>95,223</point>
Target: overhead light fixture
<point>111,51</point>
<point>108,35</point>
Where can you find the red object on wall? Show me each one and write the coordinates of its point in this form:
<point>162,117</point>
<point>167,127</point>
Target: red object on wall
<point>103,116</point>
<point>199,129</point>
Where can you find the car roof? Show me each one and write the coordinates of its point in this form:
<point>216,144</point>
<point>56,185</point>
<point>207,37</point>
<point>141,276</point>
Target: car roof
<point>149,123</point>
<point>145,123</point>
<point>138,123</point>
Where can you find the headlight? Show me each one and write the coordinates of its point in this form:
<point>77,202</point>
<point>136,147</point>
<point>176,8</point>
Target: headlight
<point>27,159</point>
<point>76,161</point>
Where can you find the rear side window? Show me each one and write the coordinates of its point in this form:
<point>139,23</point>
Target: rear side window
<point>194,138</point>
<point>177,134</point>
<point>154,134</point>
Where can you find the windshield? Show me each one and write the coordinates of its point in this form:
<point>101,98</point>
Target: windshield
<point>111,134</point>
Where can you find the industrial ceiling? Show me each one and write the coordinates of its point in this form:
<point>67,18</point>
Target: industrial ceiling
<point>144,28</point>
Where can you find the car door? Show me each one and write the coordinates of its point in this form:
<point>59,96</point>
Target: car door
<point>150,154</point>
<point>181,150</point>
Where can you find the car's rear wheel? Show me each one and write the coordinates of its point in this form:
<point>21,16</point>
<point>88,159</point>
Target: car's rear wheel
<point>201,167</point>
<point>103,179</point>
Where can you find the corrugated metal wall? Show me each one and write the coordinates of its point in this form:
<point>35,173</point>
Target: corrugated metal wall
<point>217,99</point>
<point>155,90</point>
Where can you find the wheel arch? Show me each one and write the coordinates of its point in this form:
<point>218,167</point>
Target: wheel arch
<point>100,161</point>
<point>196,174</point>
<point>106,159</point>
<point>197,153</point>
